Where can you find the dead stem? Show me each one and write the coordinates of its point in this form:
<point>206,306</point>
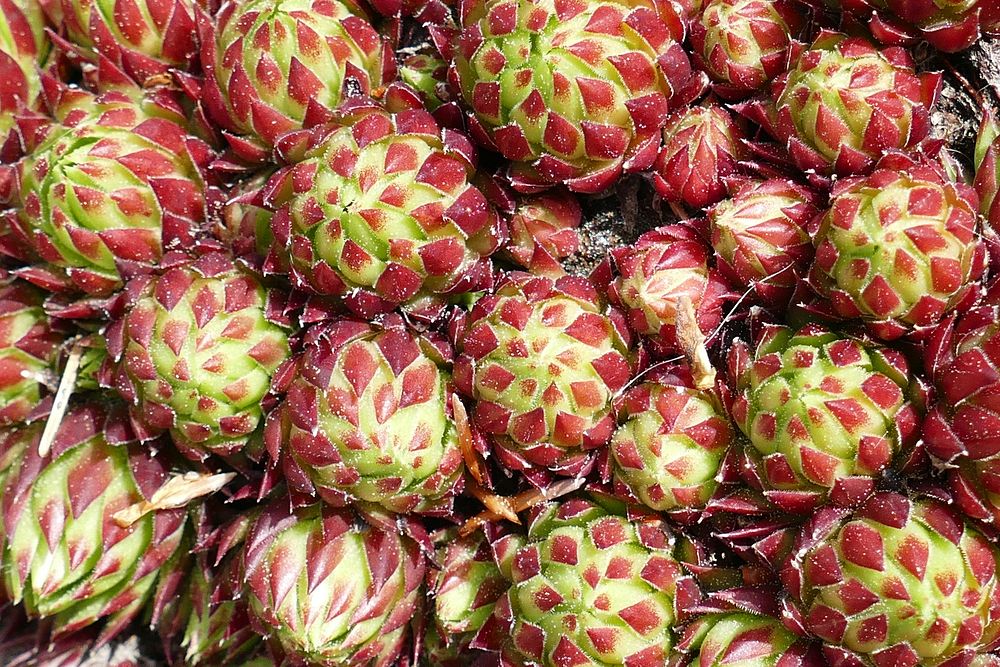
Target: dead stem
<point>61,400</point>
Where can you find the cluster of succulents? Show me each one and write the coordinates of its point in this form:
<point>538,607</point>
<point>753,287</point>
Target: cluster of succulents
<point>311,353</point>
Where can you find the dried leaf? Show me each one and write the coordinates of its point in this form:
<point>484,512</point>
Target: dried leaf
<point>61,400</point>
<point>692,341</point>
<point>473,462</point>
<point>177,492</point>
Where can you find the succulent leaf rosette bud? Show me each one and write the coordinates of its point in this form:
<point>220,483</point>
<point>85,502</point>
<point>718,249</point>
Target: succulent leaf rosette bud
<point>14,444</point>
<point>244,225</point>
<point>425,76</point>
<point>367,419</point>
<point>465,589</point>
<point>761,237</point>
<point>655,274</point>
<point>272,66</point>
<point>217,628</point>
<point>591,587</point>
<point>436,652</point>
<point>897,582</point>
<point>825,414</point>
<point>194,352</point>
<point>24,47</point>
<point>543,359</point>
<point>381,209</point>
<point>899,249</point>
<point>110,189</point>
<point>29,346</point>
<point>745,44</point>
<point>741,639</point>
<point>670,446</point>
<point>989,17</point>
<point>66,558</point>
<point>143,38</point>
<point>571,92</point>
<point>987,163</point>
<point>199,609</point>
<point>327,590</point>
<point>543,230</point>
<point>701,147</point>
<point>948,25</point>
<point>962,428</point>
<point>845,103</point>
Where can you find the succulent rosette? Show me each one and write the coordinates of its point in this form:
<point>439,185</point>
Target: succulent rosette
<point>987,163</point>
<point>742,639</point>
<point>436,652</point>
<point>989,17</point>
<point>653,277</point>
<point>465,588</point>
<point>327,590</point>
<point>199,608</point>
<point>422,82</point>
<point>23,641</point>
<point>272,66</point>
<point>325,258</point>
<point>543,359</point>
<point>367,419</point>
<point>29,346</point>
<point>962,428</point>
<point>244,226</point>
<point>825,415</point>
<point>109,189</point>
<point>543,230</point>
<point>14,444</point>
<point>761,237</point>
<point>217,629</point>
<point>845,103</point>
<point>670,447</point>
<point>590,587</point>
<point>225,629</point>
<point>948,25</point>
<point>24,47</point>
<point>701,147</point>
<point>425,77</point>
<point>66,557</point>
<point>572,93</point>
<point>898,582</point>
<point>745,44</point>
<point>380,209</point>
<point>899,248</point>
<point>194,352</point>
<point>144,38</point>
